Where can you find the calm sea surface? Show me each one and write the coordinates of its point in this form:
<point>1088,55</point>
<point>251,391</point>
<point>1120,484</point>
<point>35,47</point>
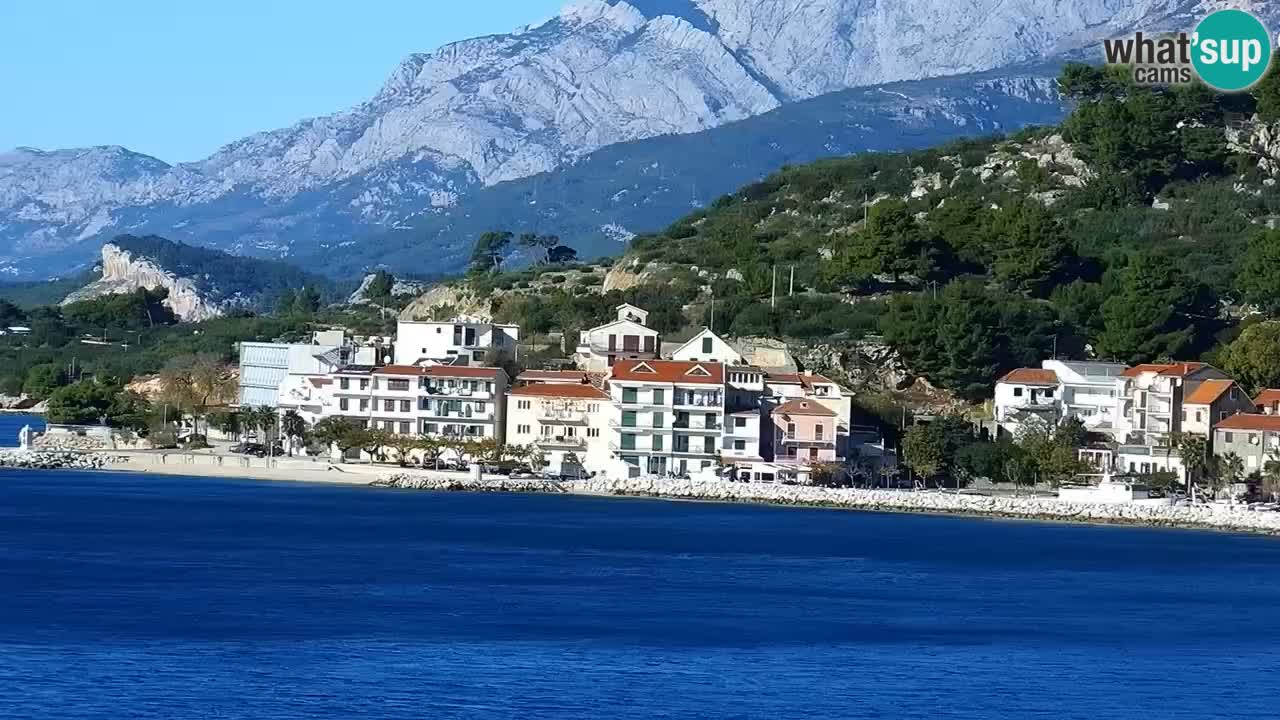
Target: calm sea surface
<point>139,597</point>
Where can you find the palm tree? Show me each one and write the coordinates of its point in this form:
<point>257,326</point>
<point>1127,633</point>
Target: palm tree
<point>1230,468</point>
<point>1271,475</point>
<point>1193,450</point>
<point>266,419</point>
<point>293,427</point>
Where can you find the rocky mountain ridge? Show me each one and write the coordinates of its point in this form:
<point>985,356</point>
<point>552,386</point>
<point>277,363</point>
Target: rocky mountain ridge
<point>123,273</point>
<point>482,111</point>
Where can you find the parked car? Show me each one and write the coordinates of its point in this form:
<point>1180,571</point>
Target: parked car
<point>246,448</point>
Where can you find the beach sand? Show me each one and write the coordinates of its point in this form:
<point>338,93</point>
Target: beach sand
<point>247,468</point>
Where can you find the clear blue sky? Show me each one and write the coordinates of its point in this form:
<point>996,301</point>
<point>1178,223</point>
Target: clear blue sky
<point>178,78</point>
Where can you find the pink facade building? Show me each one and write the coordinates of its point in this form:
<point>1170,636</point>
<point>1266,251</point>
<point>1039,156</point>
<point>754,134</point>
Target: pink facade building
<point>804,433</point>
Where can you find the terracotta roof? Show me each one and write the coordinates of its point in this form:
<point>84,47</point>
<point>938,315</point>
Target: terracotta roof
<point>439,371</point>
<point>1266,397</point>
<point>569,390</point>
<point>803,407</point>
<point>798,379</point>
<point>668,371</point>
<point>1174,369</point>
<point>1208,392</point>
<point>1030,376</point>
<point>1245,421</point>
<point>558,376</point>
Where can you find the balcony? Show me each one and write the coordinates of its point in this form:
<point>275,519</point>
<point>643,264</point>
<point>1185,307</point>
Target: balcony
<point>683,400</point>
<point>562,442</point>
<point>637,402</point>
<point>695,451</point>
<point>688,427</point>
<point>638,429</point>
<point>618,448</point>
<point>793,439</point>
<point>562,417</point>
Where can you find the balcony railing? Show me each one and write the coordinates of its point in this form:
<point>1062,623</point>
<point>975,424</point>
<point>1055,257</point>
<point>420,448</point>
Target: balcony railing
<point>617,448</point>
<point>561,441</point>
<point>793,439</point>
<point>638,429</point>
<point>637,402</point>
<point>691,428</point>
<point>693,450</point>
<point>697,401</point>
<point>565,417</point>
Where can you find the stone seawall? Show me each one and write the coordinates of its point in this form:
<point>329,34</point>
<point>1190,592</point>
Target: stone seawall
<point>56,460</point>
<point>1215,517</point>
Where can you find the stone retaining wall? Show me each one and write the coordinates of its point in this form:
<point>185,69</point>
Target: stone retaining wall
<point>1217,517</point>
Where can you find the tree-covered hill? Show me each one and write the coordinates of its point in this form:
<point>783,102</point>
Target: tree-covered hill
<point>1137,229</point>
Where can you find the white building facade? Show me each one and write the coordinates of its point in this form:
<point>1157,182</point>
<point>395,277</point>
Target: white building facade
<point>567,422</point>
<point>462,341</point>
<point>626,338</point>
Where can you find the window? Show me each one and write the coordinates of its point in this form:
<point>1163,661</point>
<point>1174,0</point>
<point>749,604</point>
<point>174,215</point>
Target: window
<point>791,431</point>
<point>388,426</point>
<point>613,342</point>
<point>364,383</point>
<point>657,442</point>
<point>388,405</point>
<point>1229,437</point>
<point>593,407</point>
<point>658,419</point>
<point>477,356</point>
<point>1199,416</point>
<point>1017,392</point>
<point>739,444</point>
<point>593,432</point>
<point>706,345</point>
<point>404,428</point>
<point>648,343</point>
<point>709,446</point>
<point>628,442</point>
<point>1184,416</point>
<point>739,422</point>
<point>813,453</point>
<point>548,431</point>
<point>405,406</point>
<point>430,428</point>
<point>523,429</point>
<point>344,383</point>
<point>629,418</point>
<point>571,431</point>
<point>630,343</point>
<point>659,397</point>
<point>478,406</point>
<point>343,404</point>
<point>364,404</point>
<point>817,432</point>
<point>709,421</point>
<point>523,404</point>
<point>399,385</point>
<point>1048,394</point>
<point>629,395</point>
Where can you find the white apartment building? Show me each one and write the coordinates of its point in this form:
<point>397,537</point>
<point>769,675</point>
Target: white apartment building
<point>667,417</point>
<point>1151,400</point>
<point>439,400</point>
<point>626,338</point>
<point>706,346</point>
<point>462,341</point>
<point>568,422</point>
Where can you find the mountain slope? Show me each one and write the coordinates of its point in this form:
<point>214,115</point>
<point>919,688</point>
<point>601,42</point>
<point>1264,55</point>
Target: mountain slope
<point>491,109</point>
<point>598,203</point>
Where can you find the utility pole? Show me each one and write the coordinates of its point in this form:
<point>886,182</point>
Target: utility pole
<point>773,294</point>
<point>712,324</point>
<point>792,290</point>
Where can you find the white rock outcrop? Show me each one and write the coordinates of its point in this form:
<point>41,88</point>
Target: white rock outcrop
<point>1217,517</point>
<point>123,273</point>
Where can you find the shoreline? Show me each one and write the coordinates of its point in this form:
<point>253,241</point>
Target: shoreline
<point>1216,518</point>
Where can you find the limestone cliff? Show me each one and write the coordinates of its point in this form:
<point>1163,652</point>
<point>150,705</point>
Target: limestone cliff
<point>123,273</point>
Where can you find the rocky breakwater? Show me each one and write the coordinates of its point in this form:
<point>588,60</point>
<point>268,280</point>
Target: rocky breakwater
<point>1215,517</point>
<point>56,460</point>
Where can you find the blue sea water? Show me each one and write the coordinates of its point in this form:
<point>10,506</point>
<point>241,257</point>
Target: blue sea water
<point>143,597</point>
<point>11,424</point>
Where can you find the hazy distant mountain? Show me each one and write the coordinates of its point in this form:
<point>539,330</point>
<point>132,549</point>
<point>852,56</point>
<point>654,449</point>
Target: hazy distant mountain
<point>479,112</point>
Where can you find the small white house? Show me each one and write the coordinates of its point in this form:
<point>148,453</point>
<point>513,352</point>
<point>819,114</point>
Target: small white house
<point>707,346</point>
<point>626,338</point>
<point>461,341</point>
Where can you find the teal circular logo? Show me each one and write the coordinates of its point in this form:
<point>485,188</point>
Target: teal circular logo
<point>1232,50</point>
